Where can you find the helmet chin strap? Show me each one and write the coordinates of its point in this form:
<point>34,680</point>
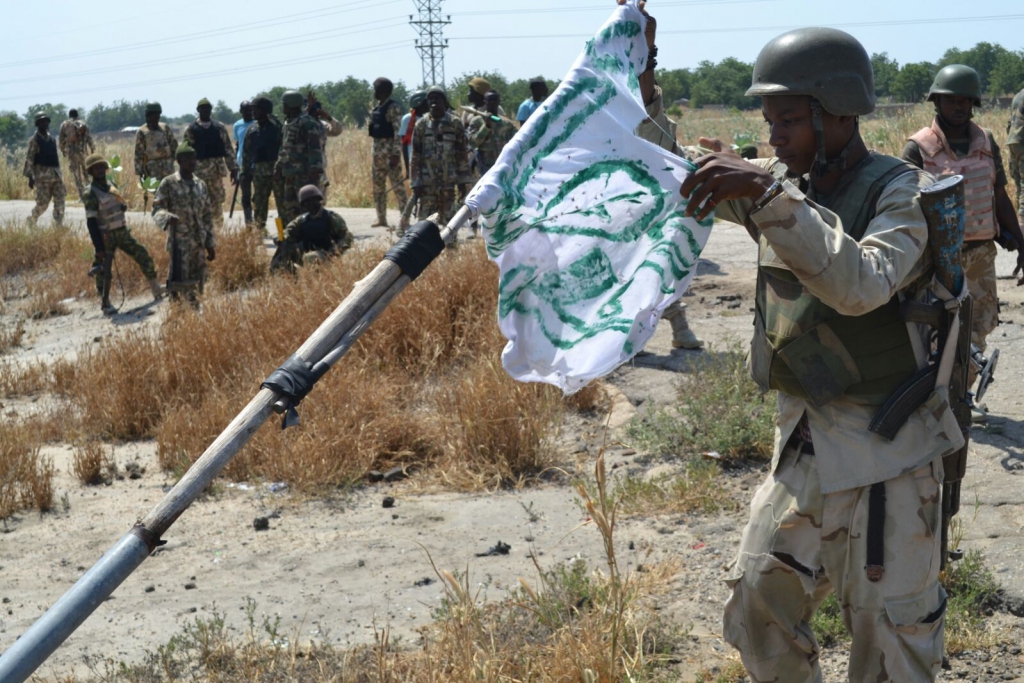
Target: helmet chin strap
<point>822,166</point>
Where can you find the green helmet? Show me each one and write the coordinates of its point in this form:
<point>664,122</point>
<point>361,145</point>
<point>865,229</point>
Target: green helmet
<point>957,79</point>
<point>437,89</point>
<point>154,107</point>
<point>39,116</point>
<point>828,64</point>
<point>292,98</point>
<point>94,159</point>
<point>418,98</point>
<point>183,149</point>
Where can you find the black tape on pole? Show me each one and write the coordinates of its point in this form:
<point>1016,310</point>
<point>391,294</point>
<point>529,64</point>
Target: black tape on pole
<point>420,245</point>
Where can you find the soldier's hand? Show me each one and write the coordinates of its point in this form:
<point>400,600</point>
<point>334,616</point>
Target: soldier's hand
<point>417,192</point>
<point>1019,270</point>
<point>31,184</point>
<point>234,177</point>
<point>210,254</point>
<point>719,178</point>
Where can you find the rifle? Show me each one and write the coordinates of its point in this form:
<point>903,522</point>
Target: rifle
<point>234,198</point>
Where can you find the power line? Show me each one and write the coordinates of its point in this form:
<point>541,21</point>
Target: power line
<point>431,43</point>
<point>604,8</point>
<point>210,33</point>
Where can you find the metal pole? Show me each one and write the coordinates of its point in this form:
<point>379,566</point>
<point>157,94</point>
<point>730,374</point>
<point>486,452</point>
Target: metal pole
<point>353,316</point>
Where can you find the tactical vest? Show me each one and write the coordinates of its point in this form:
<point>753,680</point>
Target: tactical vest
<point>208,143</point>
<point>47,154</point>
<point>267,141</point>
<point>978,169</point>
<point>316,232</point>
<point>380,127</point>
<point>804,348</point>
<point>110,215</point>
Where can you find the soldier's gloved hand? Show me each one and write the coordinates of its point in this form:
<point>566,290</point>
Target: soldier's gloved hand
<point>31,184</point>
<point>210,254</point>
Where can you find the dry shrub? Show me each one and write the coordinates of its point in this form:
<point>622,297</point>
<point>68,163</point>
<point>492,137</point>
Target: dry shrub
<point>90,461</point>
<point>26,478</point>
<point>592,397</point>
<point>241,259</point>
<point>11,338</point>
<point>12,183</point>
<point>44,302</point>
<point>24,247</point>
<point>17,379</point>
<point>349,158</point>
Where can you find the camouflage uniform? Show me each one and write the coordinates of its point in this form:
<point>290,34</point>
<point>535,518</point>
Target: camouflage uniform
<point>154,151</point>
<point>331,128</point>
<point>43,168</point>
<point>259,156</point>
<point>76,144</point>
<point>189,202</point>
<point>980,271</point>
<point>115,236</point>
<point>1015,145</point>
<point>387,164</point>
<point>299,246</point>
<point>489,134</point>
<point>301,162</point>
<point>439,162</point>
<point>213,167</point>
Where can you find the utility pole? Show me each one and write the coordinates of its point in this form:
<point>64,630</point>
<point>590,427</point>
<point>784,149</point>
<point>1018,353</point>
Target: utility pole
<point>431,43</point>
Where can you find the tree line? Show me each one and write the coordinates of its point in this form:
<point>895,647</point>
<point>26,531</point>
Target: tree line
<point>709,83</point>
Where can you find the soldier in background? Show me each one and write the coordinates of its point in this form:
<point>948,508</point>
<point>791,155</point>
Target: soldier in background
<point>538,93</point>
<point>259,157</point>
<point>417,108</point>
<point>108,229</point>
<point>301,161</point>
<point>385,120</point>
<point>210,140</point>
<point>1015,148</point>
<point>75,144</point>
<point>240,128</point>
<point>313,236</point>
<point>953,144</point>
<point>155,146</point>
<point>42,168</point>
<point>490,132</point>
<point>440,158</point>
<point>183,209</point>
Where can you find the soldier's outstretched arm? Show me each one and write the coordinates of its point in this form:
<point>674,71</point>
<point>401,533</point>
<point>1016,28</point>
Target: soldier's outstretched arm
<point>1006,216</point>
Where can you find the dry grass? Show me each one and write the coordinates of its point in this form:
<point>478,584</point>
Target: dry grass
<point>90,461</point>
<point>26,478</point>
<point>696,489</point>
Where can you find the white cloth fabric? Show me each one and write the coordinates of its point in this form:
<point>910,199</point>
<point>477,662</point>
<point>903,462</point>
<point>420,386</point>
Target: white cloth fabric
<point>584,220</point>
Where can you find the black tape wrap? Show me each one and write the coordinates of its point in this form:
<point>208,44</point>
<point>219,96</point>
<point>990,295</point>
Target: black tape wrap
<point>421,244</point>
<point>294,379</point>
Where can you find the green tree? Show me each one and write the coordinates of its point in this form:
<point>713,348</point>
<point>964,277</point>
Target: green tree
<point>723,83</point>
<point>56,112</point>
<point>12,131</point>
<point>121,113</point>
<point>886,69</point>
<point>225,114</point>
<point>912,82</point>
<point>1007,77</point>
<point>675,84</point>
<point>982,58</point>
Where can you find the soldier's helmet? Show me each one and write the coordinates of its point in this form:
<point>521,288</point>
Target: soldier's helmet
<point>437,89</point>
<point>154,108</point>
<point>93,160</point>
<point>41,116</point>
<point>183,149</point>
<point>292,98</point>
<point>263,103</point>
<point>957,79</point>
<point>418,98</point>
<point>825,63</point>
<point>309,192</point>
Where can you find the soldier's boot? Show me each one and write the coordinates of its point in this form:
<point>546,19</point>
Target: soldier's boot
<point>682,336</point>
<point>156,288</point>
<point>107,307</point>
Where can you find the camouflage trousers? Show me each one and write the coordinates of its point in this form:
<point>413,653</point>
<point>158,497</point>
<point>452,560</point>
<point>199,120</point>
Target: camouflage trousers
<point>159,168</point>
<point>49,187</point>
<point>980,270</point>
<point>262,188</point>
<point>431,203</point>
<point>192,266</point>
<point>212,172</point>
<point>76,164</point>
<point>1016,159</point>
<point>286,195</point>
<point>800,545</point>
<point>388,174</point>
<point>122,239</point>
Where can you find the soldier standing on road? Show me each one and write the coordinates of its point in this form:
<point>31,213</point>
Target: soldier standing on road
<point>315,235</point>
<point>842,509</point>
<point>301,161</point>
<point>259,157</point>
<point>108,229</point>
<point>183,209</point>
<point>385,120</point>
<point>1015,145</point>
<point>75,143</point>
<point>210,140</point>
<point>954,144</point>
<point>245,180</point>
<point>155,146</point>
<point>42,168</point>
<point>440,158</point>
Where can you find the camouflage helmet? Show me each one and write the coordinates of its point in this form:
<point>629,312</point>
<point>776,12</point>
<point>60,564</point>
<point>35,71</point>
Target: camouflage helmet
<point>183,149</point>
<point>957,79</point>
<point>828,64</point>
<point>309,192</point>
<point>40,116</point>
<point>418,98</point>
<point>292,98</point>
<point>154,108</point>
<point>93,160</point>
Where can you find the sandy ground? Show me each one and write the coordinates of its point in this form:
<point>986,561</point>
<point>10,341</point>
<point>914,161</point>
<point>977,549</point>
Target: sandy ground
<point>333,569</point>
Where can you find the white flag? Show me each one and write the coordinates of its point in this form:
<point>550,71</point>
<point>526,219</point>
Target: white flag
<point>585,220</point>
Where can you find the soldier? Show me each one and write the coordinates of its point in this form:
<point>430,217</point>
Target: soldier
<point>155,146</point>
<point>75,143</point>
<point>490,132</point>
<point>301,161</point>
<point>182,208</point>
<point>42,168</point>
<point>385,121</point>
<point>1015,145</point>
<point>842,509</point>
<point>240,127</point>
<point>953,144</point>
<point>440,160</point>
<point>313,236</point>
<point>210,140</point>
<point>108,229</point>
<point>259,157</point>
<point>417,108</point>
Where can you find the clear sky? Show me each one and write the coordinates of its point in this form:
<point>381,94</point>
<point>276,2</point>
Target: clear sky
<point>81,53</point>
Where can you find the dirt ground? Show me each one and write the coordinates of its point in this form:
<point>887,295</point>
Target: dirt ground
<point>336,568</point>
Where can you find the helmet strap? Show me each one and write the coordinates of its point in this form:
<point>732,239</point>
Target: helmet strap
<point>822,165</point>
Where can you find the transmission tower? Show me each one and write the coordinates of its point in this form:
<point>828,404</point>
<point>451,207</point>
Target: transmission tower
<point>431,43</point>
